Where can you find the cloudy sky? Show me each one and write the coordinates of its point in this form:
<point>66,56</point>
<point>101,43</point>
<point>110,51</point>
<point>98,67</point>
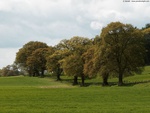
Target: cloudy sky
<point>50,21</point>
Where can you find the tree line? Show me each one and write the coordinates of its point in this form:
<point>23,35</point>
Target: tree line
<point>119,51</point>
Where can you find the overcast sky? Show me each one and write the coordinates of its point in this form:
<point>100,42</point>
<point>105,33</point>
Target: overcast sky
<point>50,21</point>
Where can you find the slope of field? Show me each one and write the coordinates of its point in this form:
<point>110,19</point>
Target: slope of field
<point>45,95</point>
<point>21,81</point>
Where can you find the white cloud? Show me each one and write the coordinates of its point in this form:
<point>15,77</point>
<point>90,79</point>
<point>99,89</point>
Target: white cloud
<point>96,25</point>
<point>7,56</point>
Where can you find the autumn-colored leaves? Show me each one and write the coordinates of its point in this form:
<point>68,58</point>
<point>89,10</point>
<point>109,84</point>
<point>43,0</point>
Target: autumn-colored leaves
<point>118,51</point>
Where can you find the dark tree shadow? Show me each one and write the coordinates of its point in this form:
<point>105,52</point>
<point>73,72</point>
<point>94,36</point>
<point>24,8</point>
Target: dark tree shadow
<point>91,83</point>
<point>135,83</point>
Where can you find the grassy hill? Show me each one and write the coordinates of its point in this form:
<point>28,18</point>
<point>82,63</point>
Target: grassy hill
<point>45,95</point>
<point>21,81</point>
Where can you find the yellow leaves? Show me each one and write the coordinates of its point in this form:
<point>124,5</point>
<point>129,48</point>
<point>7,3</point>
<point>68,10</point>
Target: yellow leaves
<point>71,55</point>
<point>146,31</point>
<point>27,50</point>
<point>121,44</point>
<point>73,65</point>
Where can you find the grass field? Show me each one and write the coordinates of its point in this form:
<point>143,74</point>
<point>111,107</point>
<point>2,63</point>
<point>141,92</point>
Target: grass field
<point>45,95</point>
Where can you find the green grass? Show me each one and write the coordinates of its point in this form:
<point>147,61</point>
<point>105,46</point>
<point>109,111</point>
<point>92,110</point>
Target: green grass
<point>21,81</point>
<point>45,95</point>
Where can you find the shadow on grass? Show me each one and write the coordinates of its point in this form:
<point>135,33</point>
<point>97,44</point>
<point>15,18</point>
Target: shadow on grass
<point>135,83</point>
<point>86,84</point>
<point>91,83</point>
<point>126,84</point>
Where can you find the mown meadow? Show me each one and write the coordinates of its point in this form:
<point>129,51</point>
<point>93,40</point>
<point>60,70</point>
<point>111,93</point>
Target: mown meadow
<point>45,95</point>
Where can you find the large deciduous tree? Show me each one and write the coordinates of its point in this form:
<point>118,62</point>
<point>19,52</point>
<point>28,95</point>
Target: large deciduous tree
<point>38,59</point>
<point>146,33</point>
<point>89,58</point>
<point>73,64</point>
<point>94,63</point>
<point>26,51</point>
<point>122,51</point>
<point>53,64</point>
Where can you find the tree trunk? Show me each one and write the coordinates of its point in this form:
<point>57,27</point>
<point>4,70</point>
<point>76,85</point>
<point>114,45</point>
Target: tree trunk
<point>105,79</point>
<point>82,77</point>
<point>42,73</point>
<point>30,73</point>
<point>120,82</point>
<point>33,73</point>
<point>58,74</point>
<point>75,80</point>
<point>37,73</point>
<point>58,77</point>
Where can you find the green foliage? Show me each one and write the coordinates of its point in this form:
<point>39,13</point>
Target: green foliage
<point>53,65</point>
<point>68,57</point>
<point>10,70</point>
<point>38,59</point>
<point>25,52</point>
<point>117,52</point>
<point>146,26</point>
<point>73,65</point>
<point>27,49</point>
<point>88,56</point>
<point>146,33</point>
<point>123,48</point>
<point>0,72</point>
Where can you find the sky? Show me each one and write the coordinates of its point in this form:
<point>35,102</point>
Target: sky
<point>51,21</point>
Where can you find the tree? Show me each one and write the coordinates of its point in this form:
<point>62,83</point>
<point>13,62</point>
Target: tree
<point>37,60</point>
<point>10,70</point>
<point>93,62</point>
<point>0,72</point>
<point>26,51</point>
<point>5,70</point>
<point>62,50</point>
<point>88,57</point>
<point>74,62</point>
<point>146,33</point>
<point>122,50</point>
<point>53,64</point>
<point>146,26</point>
<point>73,66</point>
<point>100,64</point>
